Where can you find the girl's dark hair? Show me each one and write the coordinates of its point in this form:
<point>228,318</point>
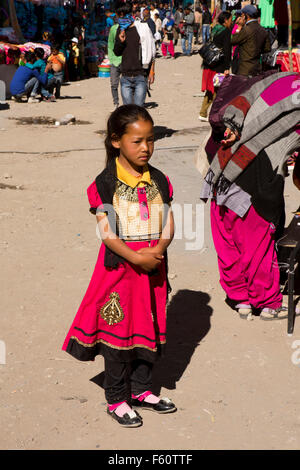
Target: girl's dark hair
<point>117,125</point>
<point>223,16</point>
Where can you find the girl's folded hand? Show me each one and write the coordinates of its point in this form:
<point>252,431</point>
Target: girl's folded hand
<point>148,261</point>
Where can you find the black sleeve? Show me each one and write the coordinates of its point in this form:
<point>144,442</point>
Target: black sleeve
<point>222,40</point>
<point>152,26</point>
<point>227,50</point>
<point>119,45</point>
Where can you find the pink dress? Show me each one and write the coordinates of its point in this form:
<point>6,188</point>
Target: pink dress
<point>123,313</point>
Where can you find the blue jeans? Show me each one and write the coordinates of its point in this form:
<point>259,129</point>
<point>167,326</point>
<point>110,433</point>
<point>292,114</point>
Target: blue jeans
<point>189,38</point>
<point>31,87</point>
<point>205,33</point>
<point>46,90</point>
<point>59,78</point>
<point>133,90</point>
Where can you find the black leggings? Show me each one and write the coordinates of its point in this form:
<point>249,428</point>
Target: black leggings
<point>122,379</point>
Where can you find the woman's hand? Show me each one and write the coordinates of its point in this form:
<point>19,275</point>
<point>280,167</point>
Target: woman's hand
<point>230,138</point>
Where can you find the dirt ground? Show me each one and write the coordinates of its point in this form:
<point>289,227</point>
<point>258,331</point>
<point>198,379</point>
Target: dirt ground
<point>236,383</point>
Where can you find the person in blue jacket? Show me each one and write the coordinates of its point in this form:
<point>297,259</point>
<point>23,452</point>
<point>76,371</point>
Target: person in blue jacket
<point>40,66</point>
<point>26,81</point>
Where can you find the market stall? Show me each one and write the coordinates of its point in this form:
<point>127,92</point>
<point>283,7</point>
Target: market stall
<point>283,60</point>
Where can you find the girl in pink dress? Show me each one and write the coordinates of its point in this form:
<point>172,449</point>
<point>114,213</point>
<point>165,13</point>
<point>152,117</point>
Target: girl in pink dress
<point>123,313</point>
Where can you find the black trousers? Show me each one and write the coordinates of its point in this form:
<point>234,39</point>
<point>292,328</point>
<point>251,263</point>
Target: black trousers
<point>123,378</point>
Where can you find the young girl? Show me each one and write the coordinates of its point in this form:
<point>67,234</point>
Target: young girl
<point>123,313</point>
<point>167,42</point>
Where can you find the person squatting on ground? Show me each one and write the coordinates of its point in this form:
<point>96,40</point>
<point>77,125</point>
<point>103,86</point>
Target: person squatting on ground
<point>123,313</point>
<point>26,82</point>
<point>40,66</point>
<point>136,44</point>
<point>245,181</point>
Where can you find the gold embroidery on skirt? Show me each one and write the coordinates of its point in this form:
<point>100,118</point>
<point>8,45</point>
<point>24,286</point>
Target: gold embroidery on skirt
<point>112,312</point>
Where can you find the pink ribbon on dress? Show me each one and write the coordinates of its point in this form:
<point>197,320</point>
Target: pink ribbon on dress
<point>143,203</point>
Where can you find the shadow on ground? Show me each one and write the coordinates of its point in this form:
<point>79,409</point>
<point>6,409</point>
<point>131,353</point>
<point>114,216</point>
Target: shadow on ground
<point>66,97</point>
<point>151,105</point>
<point>188,322</point>
<point>160,132</point>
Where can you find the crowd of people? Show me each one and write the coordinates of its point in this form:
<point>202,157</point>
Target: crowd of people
<point>39,76</point>
<point>243,41</point>
<point>166,26</point>
<point>132,49</point>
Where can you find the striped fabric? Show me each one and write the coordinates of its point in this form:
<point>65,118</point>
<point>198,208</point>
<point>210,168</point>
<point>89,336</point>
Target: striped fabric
<point>266,117</point>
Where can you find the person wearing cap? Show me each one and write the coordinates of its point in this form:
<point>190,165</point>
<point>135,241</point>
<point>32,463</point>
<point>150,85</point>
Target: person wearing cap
<point>74,60</point>
<point>253,40</point>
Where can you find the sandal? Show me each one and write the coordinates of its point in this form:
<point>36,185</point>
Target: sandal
<point>269,314</point>
<point>280,313</point>
<point>165,405</point>
<point>244,311</point>
<point>128,420</point>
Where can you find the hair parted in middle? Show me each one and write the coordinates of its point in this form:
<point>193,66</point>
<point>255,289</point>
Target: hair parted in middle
<point>117,125</point>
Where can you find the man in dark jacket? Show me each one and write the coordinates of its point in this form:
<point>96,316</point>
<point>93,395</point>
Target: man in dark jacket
<point>253,40</point>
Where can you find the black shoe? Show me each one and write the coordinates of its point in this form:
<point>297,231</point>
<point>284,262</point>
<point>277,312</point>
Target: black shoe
<point>126,420</point>
<point>163,406</point>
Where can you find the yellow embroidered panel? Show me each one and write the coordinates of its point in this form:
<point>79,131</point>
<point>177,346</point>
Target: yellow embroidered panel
<point>126,205</point>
